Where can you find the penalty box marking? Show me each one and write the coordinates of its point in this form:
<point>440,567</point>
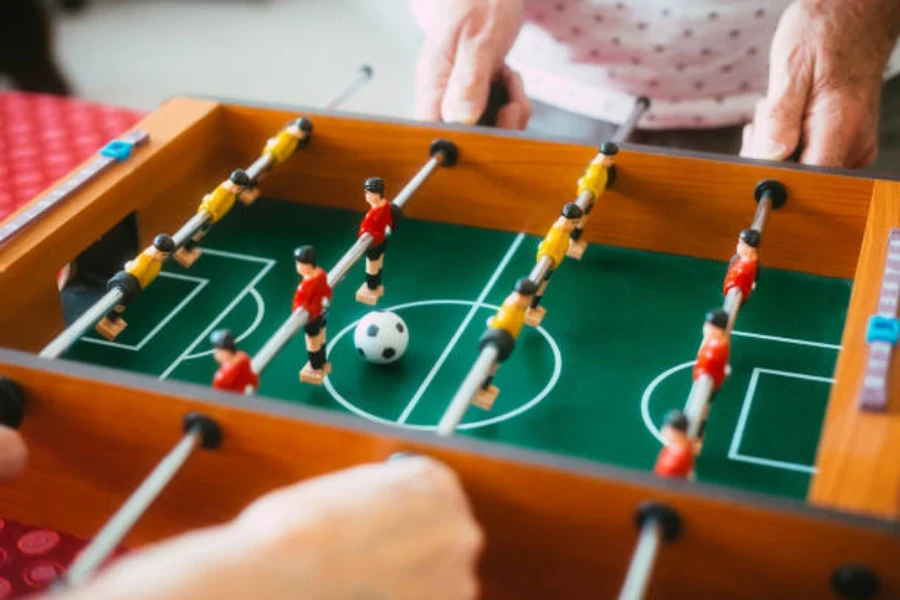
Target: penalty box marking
<point>554,377</point>
<point>267,263</point>
<point>200,284</point>
<point>648,391</point>
<point>734,450</point>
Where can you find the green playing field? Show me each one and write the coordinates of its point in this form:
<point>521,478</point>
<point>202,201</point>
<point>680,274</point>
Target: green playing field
<point>613,354</point>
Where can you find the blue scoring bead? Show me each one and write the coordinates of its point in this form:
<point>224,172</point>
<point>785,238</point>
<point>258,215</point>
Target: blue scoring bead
<point>117,149</point>
<point>883,329</point>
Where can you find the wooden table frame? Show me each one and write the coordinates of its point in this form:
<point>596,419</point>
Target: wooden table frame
<point>95,432</point>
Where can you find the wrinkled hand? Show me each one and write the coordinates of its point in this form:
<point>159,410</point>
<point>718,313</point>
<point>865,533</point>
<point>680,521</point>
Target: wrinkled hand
<point>825,79</point>
<point>13,453</point>
<point>401,530</point>
<point>464,51</point>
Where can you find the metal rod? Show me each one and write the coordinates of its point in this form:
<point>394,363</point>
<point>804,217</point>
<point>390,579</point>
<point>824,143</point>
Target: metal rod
<point>642,562</point>
<point>732,305</point>
<point>585,200</point>
<point>762,213</point>
<point>356,251</point>
<point>418,179</point>
<point>540,270</point>
<point>115,530</point>
<point>259,167</point>
<point>698,400</point>
<point>190,229</point>
<point>85,321</point>
<point>363,75</point>
<point>627,128</point>
<point>275,343</point>
<point>463,397</point>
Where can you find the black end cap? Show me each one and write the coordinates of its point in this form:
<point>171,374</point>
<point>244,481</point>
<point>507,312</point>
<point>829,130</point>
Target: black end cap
<point>855,582</point>
<point>448,149</point>
<point>127,284</point>
<point>367,71</point>
<point>12,403</point>
<point>305,125</point>
<point>774,189</point>
<point>663,514</point>
<point>209,429</point>
<point>643,101</point>
<point>500,339</point>
<point>609,148</point>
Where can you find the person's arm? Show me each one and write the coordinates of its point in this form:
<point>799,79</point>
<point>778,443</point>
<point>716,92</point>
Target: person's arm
<point>465,47</point>
<point>825,79</point>
<point>402,530</point>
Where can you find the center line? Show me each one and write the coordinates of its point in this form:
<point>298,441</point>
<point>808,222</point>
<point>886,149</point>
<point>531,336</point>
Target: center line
<point>462,327</point>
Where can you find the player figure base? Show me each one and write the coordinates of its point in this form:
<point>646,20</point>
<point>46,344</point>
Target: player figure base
<point>576,249</point>
<point>366,296</point>
<point>186,258</point>
<point>534,316</point>
<point>248,196</point>
<point>484,398</point>
<point>314,376</point>
<point>110,329</point>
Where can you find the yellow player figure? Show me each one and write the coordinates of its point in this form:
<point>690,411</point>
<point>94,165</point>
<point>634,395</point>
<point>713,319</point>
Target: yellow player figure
<point>214,206</point>
<point>503,330</point>
<point>137,275</point>
<point>597,177</point>
<point>287,141</point>
<point>554,247</point>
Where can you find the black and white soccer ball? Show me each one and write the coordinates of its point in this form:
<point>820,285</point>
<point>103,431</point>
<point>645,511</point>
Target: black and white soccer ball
<point>381,337</point>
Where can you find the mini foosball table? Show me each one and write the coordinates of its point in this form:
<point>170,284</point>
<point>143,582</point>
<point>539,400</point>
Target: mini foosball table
<point>796,487</point>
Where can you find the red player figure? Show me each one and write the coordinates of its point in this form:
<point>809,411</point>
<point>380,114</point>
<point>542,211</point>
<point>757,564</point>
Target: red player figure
<point>378,223</point>
<point>744,267</point>
<point>712,359</point>
<point>235,373</point>
<point>676,459</point>
<point>313,294</point>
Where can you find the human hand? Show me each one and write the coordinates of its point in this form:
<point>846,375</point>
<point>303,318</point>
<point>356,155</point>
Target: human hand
<point>13,453</point>
<point>464,51</point>
<point>825,80</point>
<point>401,530</point>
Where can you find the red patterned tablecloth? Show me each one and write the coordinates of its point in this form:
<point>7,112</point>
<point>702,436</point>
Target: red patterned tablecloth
<point>44,137</point>
<point>41,139</point>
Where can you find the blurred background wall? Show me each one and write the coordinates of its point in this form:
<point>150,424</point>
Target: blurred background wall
<point>136,53</point>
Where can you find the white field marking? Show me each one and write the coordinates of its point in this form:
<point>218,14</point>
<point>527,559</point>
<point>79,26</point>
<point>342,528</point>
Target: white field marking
<point>645,398</point>
<point>260,314</point>
<point>411,406</point>
<point>554,377</point>
<point>201,283</point>
<point>734,450</point>
<point>775,338</point>
<point>268,263</point>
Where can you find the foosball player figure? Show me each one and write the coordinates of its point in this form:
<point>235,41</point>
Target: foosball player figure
<point>676,459</point>
<point>214,206</point>
<point>554,247</point>
<point>137,274</point>
<point>235,373</point>
<point>314,295</point>
<point>712,358</point>
<point>503,330</point>
<point>597,177</point>
<point>743,270</point>
<point>379,223</point>
<point>280,148</point>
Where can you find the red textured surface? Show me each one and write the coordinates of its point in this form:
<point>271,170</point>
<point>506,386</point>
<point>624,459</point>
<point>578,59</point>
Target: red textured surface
<point>44,137</point>
<point>32,557</point>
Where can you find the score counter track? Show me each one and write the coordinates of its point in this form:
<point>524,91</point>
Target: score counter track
<point>613,355</point>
